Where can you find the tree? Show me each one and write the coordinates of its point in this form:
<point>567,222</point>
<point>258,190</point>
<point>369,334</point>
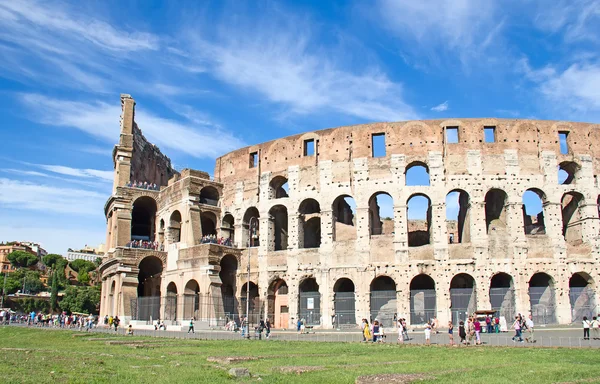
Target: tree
<point>80,299</point>
<point>51,259</point>
<point>80,265</point>
<point>22,259</point>
<point>59,268</point>
<point>54,291</point>
<point>98,261</point>
<point>23,277</point>
<point>83,277</point>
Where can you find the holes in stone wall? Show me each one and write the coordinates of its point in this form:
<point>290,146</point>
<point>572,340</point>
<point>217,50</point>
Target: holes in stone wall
<point>419,220</point>
<point>572,217</point>
<point>533,212</point>
<point>381,214</point>
<point>344,218</point>
<point>458,219</point>
<point>495,210</point>
<point>417,173</point>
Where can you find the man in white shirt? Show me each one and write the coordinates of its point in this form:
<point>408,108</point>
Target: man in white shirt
<point>529,324</point>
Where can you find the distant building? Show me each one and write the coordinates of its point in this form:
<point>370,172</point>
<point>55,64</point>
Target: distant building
<point>7,248</point>
<point>87,253</point>
<point>36,247</point>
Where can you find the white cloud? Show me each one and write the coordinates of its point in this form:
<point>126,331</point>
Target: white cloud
<point>441,107</point>
<point>102,120</point>
<point>76,172</point>
<point>16,194</point>
<point>576,20</point>
<point>288,67</point>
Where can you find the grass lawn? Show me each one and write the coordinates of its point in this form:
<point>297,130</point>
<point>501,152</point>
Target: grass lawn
<point>42,356</point>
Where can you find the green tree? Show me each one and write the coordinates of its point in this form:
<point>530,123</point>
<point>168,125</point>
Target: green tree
<point>54,291</point>
<point>98,261</point>
<point>59,268</point>
<point>80,265</point>
<point>51,259</point>
<point>23,277</point>
<point>22,259</point>
<point>80,299</point>
<point>83,277</point>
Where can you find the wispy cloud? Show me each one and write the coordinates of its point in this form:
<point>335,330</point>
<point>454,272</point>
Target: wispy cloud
<point>441,107</point>
<point>101,120</point>
<point>576,20</point>
<point>76,172</point>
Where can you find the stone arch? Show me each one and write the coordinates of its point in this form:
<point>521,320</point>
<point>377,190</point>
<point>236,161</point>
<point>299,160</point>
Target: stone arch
<point>463,300</point>
<point>191,299</point>
<point>383,300</point>
<point>277,303</point>
<point>254,307</point>
<point>278,228</point>
<point>542,298</point>
<point>422,299</point>
<point>418,207</point>
<point>149,280</point>
<point>175,227</point>
<point>278,187</point>
<point>111,300</point>
<point>143,215</point>
<point>251,223</point>
<point>381,214</point>
<point>309,301</point>
<point>582,296</point>
<point>417,173</point>
<point>209,195</point>
<point>572,217</point>
<point>170,312</point>
<point>344,302</point>
<point>567,172</point>
<point>502,295</point>
<point>208,222</point>
<point>495,210</point>
<point>344,219</point>
<point>458,218</point>
<point>309,228</point>
<point>228,276</point>
<point>228,228</point>
<point>533,211</point>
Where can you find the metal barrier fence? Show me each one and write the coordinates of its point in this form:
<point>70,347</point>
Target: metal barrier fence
<point>344,304</point>
<point>583,303</point>
<point>310,307</point>
<point>543,305</point>
<point>463,303</point>
<point>422,306</point>
<point>383,307</point>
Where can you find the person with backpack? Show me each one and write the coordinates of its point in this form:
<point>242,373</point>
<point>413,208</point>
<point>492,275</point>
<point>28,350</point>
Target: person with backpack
<point>462,333</point>
<point>191,328</point>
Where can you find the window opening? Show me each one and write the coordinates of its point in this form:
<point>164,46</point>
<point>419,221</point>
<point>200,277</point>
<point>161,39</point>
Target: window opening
<point>489,134</point>
<point>452,135</point>
<point>378,144</point>
<point>254,160</point>
<point>309,147</point>
<point>562,140</point>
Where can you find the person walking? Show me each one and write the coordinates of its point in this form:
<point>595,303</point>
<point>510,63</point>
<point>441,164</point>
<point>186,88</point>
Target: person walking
<point>488,324</point>
<point>116,322</point>
<point>191,327</point>
<point>268,325</point>
<point>477,328</point>
<point>375,330</point>
<point>244,324</point>
<point>366,330</point>
<point>517,327</point>
<point>470,330</point>
<point>400,332</point>
<point>428,333</point>
<point>451,333</point>
<point>586,328</point>
<point>595,325</point>
<point>497,324</point>
<point>462,333</point>
<point>529,324</point>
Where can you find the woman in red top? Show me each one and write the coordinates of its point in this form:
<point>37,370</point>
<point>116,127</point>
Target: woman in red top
<point>477,326</point>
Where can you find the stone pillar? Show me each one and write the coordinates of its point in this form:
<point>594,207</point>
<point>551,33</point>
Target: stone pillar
<point>193,233</point>
<point>442,300</point>
<point>362,235</point>
<point>553,223</point>
<point>439,232</point>
<point>326,230</point>
<point>295,231</point>
<point>122,232</point>
<point>514,222</point>
<point>401,233</point>
<point>293,295</point>
<point>326,291</point>
<point>561,295</point>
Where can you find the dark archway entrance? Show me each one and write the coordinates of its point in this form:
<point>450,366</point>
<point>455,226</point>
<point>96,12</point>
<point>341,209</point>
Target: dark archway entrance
<point>383,300</point>
<point>191,300</point>
<point>143,218</point>
<point>254,309</point>
<point>582,296</point>
<point>171,302</point>
<point>149,278</point>
<point>344,302</point>
<point>309,305</point>
<point>278,307</point>
<point>422,299</point>
<point>228,273</point>
<point>542,299</point>
<point>502,295</point>
<point>463,301</point>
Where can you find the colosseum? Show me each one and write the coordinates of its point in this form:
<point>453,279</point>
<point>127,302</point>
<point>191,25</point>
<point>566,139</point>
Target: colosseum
<point>411,219</point>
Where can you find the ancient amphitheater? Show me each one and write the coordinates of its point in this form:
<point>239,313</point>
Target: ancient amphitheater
<point>327,224</point>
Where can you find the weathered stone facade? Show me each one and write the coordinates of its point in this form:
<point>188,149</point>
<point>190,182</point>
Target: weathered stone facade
<point>333,258</point>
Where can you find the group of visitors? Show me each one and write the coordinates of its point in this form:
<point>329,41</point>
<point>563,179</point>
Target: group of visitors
<point>374,332</point>
<point>155,245</point>
<point>61,320</point>
<point>144,185</point>
<point>594,325</point>
<point>212,239</point>
<point>112,322</point>
<point>521,324</point>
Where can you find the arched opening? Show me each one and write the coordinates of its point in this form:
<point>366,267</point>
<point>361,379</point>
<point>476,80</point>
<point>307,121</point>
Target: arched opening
<point>228,273</point>
<point>149,278</point>
<point>344,212</point>
<point>381,214</point>
<point>495,211</point>
<point>422,299</point>
<point>278,305</point>
<point>309,228</point>
<point>502,295</point>
<point>533,212</point>
<point>254,308</point>
<point>417,173</point>
<point>419,220</point>
<point>191,299</point>
<point>278,231</point>
<point>111,299</point>
<point>458,219</point>
<point>582,296</point>
<point>344,302</point>
<point>142,219</point>
<point>228,229</point>
<point>251,226</point>
<point>171,302</point>
<point>383,300</point>
<point>208,222</point>
<point>278,188</point>
<point>175,227</point>
<point>542,299</point>
<point>567,172</point>
<point>463,301</point>
<point>309,302</point>
<point>209,195</point>
<point>572,217</point>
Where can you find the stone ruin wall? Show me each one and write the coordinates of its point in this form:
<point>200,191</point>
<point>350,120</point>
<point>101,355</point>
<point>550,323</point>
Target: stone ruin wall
<point>148,163</point>
<point>525,155</point>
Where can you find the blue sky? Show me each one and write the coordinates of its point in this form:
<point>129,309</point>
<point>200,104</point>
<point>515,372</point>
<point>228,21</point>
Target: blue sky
<point>209,77</point>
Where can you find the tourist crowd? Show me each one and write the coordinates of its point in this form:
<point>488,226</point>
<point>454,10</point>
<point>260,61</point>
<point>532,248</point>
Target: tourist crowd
<point>212,239</point>
<point>144,185</point>
<point>155,245</point>
<point>61,320</point>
